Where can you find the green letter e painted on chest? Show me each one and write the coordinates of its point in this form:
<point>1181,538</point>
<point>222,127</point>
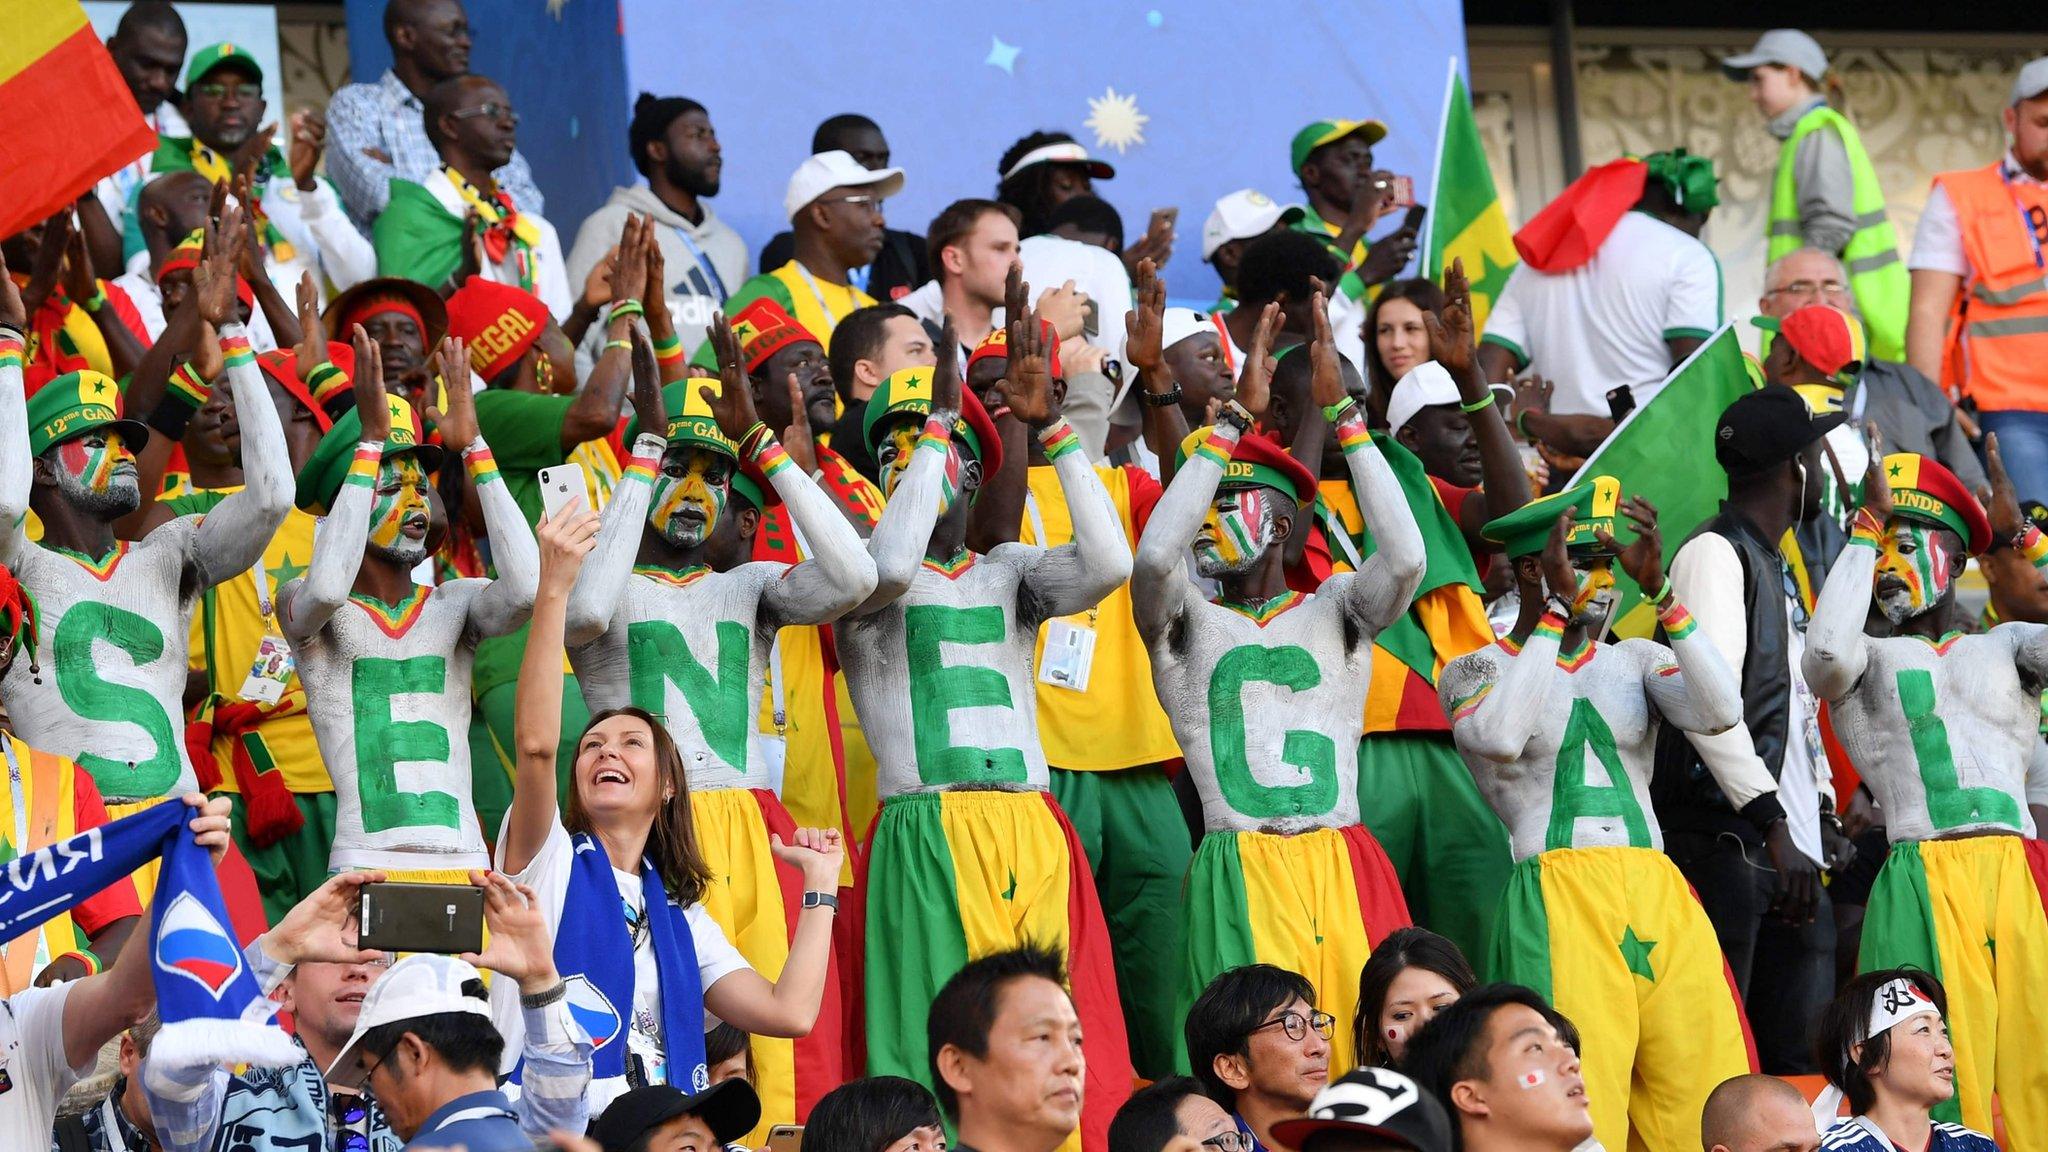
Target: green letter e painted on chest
<point>938,689</point>
<point>1292,668</point>
<point>383,743</point>
<point>93,697</point>
<point>658,656</point>
<point>1948,803</point>
<point>1586,734</point>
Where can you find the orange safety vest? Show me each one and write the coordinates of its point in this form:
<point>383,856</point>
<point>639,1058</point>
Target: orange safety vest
<point>1998,331</point>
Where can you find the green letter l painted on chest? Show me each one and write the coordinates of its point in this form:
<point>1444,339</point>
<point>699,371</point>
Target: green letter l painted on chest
<point>658,656</point>
<point>1949,805</point>
<point>1571,797</point>
<point>938,689</point>
<point>383,743</point>
<point>93,697</point>
<point>1291,667</point>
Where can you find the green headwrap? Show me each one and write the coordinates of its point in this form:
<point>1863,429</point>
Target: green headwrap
<point>1689,179</point>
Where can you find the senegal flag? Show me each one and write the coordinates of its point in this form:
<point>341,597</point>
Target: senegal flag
<point>1664,451</point>
<point>1467,220</point>
<point>54,71</point>
<point>416,238</point>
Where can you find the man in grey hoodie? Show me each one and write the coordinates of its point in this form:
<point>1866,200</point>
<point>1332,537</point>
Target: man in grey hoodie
<point>675,148</point>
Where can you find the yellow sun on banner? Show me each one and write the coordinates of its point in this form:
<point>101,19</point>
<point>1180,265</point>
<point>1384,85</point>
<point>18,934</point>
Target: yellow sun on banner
<point>1116,121</point>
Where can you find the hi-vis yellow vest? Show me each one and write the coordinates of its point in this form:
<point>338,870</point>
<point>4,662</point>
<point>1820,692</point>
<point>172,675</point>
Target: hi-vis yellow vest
<point>1117,722</point>
<point>1877,277</point>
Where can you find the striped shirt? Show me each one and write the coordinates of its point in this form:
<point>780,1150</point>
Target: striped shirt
<point>388,118</point>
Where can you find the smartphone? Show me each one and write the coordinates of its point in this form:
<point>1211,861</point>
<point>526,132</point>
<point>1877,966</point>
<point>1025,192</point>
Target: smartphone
<point>1401,192</point>
<point>444,918</point>
<point>1620,402</point>
<point>1167,218</point>
<point>1412,222</point>
<point>786,1138</point>
<point>563,487</point>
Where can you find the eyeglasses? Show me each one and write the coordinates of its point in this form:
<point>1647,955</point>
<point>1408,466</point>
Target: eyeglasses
<point>1810,288</point>
<point>1231,1141</point>
<point>349,1114</point>
<point>213,90</point>
<point>871,203</point>
<point>1297,1025</point>
<point>491,111</point>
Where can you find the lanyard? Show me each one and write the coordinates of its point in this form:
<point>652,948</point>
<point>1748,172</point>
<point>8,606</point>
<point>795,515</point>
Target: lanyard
<point>777,676</point>
<point>704,262</point>
<point>1037,521</point>
<point>1333,528</point>
<point>2028,224</point>
<point>261,575</point>
<point>817,293</point>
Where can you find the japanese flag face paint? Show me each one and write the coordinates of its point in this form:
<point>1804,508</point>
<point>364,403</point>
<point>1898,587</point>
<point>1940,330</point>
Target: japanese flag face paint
<point>399,513</point>
<point>1596,591</point>
<point>1914,569</point>
<point>96,472</point>
<point>1235,533</point>
<point>690,495</point>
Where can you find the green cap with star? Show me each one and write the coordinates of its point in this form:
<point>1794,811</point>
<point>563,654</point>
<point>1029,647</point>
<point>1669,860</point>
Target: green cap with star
<point>320,480</point>
<point>1323,132</point>
<point>76,403</point>
<point>1526,530</point>
<point>214,55</point>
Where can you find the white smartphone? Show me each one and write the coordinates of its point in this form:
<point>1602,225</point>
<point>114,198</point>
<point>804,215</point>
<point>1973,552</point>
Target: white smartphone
<point>562,489</point>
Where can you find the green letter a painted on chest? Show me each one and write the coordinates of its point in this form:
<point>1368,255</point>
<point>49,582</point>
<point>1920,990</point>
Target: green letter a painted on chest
<point>93,697</point>
<point>659,656</point>
<point>1292,668</point>
<point>1949,804</point>
<point>938,689</point>
<point>1571,797</point>
<point>383,743</point>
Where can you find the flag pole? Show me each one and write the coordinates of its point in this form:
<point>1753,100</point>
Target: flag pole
<point>1443,125</point>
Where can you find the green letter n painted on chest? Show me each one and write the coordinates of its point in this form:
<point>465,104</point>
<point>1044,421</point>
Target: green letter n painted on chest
<point>1949,804</point>
<point>1292,668</point>
<point>659,656</point>
<point>938,689</point>
<point>383,743</point>
<point>93,697</point>
<point>1571,797</point>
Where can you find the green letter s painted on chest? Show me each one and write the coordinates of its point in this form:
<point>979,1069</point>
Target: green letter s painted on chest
<point>383,743</point>
<point>1290,667</point>
<point>658,656</point>
<point>1949,805</point>
<point>1571,798</point>
<point>937,689</point>
<point>95,698</point>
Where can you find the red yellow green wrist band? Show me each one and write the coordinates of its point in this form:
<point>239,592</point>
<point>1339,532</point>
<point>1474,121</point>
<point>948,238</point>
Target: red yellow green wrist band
<point>1058,439</point>
<point>483,467</point>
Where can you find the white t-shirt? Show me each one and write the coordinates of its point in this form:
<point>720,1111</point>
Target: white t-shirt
<point>1050,261</point>
<point>548,876</point>
<point>1605,323</point>
<point>1938,238</point>
<point>32,1057</point>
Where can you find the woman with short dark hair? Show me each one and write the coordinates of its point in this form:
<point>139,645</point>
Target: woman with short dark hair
<point>1884,1045</point>
<point>877,1114</point>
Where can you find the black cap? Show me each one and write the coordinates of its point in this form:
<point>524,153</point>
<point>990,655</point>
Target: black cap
<point>1767,428</point>
<point>729,1108</point>
<point>1376,1102</point>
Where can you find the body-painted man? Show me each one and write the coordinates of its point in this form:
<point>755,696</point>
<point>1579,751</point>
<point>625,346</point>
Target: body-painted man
<point>1944,727</point>
<point>665,618</point>
<point>385,662</point>
<point>971,853</point>
<point>1266,687</point>
<point>105,683</point>
<point>1560,733</point>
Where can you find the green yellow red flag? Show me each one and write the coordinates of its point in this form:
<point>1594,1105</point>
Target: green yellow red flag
<point>54,71</point>
<point>1466,221</point>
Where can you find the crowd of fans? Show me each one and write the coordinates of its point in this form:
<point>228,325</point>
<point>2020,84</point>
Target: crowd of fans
<point>918,686</point>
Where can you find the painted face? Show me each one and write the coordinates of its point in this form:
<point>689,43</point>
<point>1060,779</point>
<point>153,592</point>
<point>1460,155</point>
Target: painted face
<point>399,515</point>
<point>96,472</point>
<point>689,495</point>
<point>1914,572</point>
<point>892,459</point>
<point>1413,999</point>
<point>1596,591</point>
<point>1236,532</point>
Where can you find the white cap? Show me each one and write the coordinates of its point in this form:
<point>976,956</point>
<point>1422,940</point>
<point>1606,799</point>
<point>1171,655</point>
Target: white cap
<point>1242,215</point>
<point>2032,80</point>
<point>835,169</point>
<point>1425,386</point>
<point>423,984</point>
<point>1787,46</point>
<point>1064,152</point>
<point>1177,324</point>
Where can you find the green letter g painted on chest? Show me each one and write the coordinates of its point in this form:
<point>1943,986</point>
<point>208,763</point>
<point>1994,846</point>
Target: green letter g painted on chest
<point>1571,798</point>
<point>1949,804</point>
<point>658,656</point>
<point>938,689</point>
<point>93,697</point>
<point>383,743</point>
<point>1292,668</point>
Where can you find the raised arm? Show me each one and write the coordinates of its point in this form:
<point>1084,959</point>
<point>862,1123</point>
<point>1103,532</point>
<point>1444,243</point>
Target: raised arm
<point>1386,581</point>
<point>789,1006</point>
<point>1701,694</point>
<point>1164,424</point>
<point>17,471</point>
<point>1502,478</point>
<point>303,605</point>
<point>504,605</point>
<point>595,599</point>
<point>537,701</point>
<point>1836,649</point>
<point>1495,720</point>
<point>928,488</point>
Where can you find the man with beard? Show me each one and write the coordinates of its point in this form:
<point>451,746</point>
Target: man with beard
<point>676,150</point>
<point>666,618</point>
<point>385,662</point>
<point>1559,732</point>
<point>455,220</point>
<point>835,214</point>
<point>380,130</point>
<point>405,320</point>
<point>1266,687</point>
<point>105,683</point>
<point>902,263</point>
<point>1944,727</point>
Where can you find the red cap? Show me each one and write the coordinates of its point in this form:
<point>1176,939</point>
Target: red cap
<point>997,345</point>
<point>282,365</point>
<point>977,418</point>
<point>763,329</point>
<point>500,322</point>
<point>1823,335</point>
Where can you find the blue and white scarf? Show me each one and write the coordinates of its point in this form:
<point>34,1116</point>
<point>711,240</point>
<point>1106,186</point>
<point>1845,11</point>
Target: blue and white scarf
<point>213,1010</point>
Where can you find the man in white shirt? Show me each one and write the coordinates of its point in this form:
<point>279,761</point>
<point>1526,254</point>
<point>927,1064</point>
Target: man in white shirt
<point>1649,296</point>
